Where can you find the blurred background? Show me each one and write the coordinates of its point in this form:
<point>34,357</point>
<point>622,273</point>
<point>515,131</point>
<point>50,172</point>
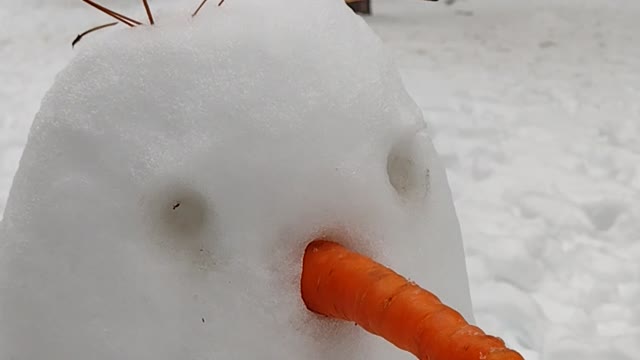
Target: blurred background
<point>534,107</point>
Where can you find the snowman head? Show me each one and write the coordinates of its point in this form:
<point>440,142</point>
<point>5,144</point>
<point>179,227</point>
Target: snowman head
<point>175,174</point>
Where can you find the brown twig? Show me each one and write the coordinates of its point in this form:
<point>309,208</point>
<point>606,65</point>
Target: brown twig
<point>126,20</point>
<point>79,37</point>
<point>199,7</point>
<point>149,15</point>
<point>202,4</point>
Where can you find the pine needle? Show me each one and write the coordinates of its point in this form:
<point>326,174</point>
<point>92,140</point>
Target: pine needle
<point>126,20</point>
<point>79,37</point>
<point>199,7</point>
<point>202,4</point>
<point>149,14</point>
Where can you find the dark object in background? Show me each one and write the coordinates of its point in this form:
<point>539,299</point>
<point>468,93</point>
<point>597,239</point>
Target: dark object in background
<point>361,7</point>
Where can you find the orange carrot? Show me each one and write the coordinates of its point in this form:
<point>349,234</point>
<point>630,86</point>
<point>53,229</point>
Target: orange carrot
<point>342,284</point>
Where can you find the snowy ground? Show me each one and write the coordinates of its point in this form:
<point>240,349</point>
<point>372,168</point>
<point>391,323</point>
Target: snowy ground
<point>535,107</point>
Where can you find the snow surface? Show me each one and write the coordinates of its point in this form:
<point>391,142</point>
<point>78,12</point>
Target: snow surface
<point>174,175</point>
<point>534,107</point>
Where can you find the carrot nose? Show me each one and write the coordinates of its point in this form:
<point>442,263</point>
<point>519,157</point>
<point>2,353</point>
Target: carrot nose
<point>341,284</point>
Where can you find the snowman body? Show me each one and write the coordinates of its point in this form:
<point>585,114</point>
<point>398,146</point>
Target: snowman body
<point>175,173</point>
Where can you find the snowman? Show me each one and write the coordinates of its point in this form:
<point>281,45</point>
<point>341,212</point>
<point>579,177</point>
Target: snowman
<point>176,173</point>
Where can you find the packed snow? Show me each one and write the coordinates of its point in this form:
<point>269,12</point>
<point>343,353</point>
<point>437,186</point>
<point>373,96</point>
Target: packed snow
<point>534,108</point>
<point>174,175</point>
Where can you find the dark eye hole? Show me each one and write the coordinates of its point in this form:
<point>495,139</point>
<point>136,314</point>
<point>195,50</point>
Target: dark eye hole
<point>178,214</point>
<point>184,212</point>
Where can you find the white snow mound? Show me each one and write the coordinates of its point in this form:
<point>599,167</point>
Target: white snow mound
<point>175,173</point>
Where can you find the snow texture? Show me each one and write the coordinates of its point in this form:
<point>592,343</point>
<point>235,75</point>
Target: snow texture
<point>534,107</point>
<point>174,175</point>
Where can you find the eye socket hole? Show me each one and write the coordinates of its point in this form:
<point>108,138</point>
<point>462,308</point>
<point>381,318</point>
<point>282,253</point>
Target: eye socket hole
<point>178,215</point>
<point>408,168</point>
<point>184,212</point>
